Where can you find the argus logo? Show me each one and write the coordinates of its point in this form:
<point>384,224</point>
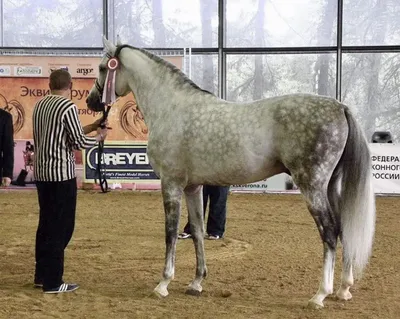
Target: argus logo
<point>84,71</point>
<point>5,70</point>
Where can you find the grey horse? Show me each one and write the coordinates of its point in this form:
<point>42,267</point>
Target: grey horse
<point>196,138</point>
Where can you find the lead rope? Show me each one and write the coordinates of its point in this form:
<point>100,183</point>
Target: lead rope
<point>101,171</point>
<point>109,96</point>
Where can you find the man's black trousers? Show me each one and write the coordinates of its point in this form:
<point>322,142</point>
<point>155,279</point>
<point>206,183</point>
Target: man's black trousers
<point>57,202</point>
<point>217,212</point>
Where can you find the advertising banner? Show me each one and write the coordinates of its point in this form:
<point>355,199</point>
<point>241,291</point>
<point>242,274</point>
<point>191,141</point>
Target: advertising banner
<point>277,183</point>
<point>260,186</point>
<point>24,81</point>
<point>385,172</point>
<point>123,161</point>
<point>24,155</point>
<point>19,95</point>
<point>386,168</point>
<point>42,66</point>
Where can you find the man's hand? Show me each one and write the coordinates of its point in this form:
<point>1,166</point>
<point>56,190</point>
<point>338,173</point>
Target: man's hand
<point>97,123</point>
<point>6,181</point>
<point>93,127</point>
<point>101,134</point>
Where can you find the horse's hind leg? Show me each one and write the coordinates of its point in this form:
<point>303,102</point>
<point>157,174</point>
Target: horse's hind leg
<point>347,279</point>
<point>194,201</point>
<point>326,284</point>
<point>319,208</point>
<point>172,196</point>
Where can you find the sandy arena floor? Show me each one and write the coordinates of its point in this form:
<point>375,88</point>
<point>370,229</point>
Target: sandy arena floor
<point>268,265</point>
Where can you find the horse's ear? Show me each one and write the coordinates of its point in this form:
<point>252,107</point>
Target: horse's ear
<point>110,48</point>
<point>119,40</point>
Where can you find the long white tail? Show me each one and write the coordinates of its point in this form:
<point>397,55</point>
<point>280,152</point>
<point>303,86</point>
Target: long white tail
<point>355,204</point>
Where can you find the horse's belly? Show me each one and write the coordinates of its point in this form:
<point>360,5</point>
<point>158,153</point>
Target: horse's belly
<point>231,170</point>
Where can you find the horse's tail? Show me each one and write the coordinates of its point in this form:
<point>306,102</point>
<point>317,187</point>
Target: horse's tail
<point>352,197</point>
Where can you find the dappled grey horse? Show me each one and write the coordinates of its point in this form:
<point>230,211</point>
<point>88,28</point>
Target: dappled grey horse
<point>196,138</point>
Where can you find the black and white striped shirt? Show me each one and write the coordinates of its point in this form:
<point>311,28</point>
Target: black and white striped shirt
<point>57,131</point>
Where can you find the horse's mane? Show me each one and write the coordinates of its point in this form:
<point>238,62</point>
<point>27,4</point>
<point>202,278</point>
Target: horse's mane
<point>182,78</point>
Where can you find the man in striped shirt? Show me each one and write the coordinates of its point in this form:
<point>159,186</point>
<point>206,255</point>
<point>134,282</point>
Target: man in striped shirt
<point>57,132</point>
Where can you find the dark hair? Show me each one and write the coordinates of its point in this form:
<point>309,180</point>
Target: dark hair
<point>60,80</point>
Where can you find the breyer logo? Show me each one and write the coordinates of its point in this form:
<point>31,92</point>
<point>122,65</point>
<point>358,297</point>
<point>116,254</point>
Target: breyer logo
<point>28,70</point>
<point>5,70</point>
<point>124,159</point>
<point>84,71</point>
<point>121,162</point>
<point>120,158</point>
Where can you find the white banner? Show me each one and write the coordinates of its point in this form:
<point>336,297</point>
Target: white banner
<point>260,186</point>
<point>385,171</point>
<point>275,183</point>
<point>385,167</point>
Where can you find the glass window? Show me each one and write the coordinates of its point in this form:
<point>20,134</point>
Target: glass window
<point>46,23</point>
<point>281,23</point>
<point>371,22</point>
<point>370,87</point>
<point>167,24</point>
<point>204,71</point>
<point>253,77</point>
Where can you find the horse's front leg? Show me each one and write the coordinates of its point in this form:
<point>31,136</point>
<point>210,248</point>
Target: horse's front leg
<point>172,196</point>
<point>194,202</point>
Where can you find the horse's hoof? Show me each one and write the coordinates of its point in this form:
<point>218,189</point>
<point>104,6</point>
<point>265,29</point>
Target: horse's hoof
<point>160,293</point>
<point>193,292</point>
<point>343,295</point>
<point>313,304</point>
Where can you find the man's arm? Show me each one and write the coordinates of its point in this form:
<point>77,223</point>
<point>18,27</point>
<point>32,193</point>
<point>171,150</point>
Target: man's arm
<point>8,147</point>
<point>94,126</point>
<point>76,132</point>
<point>89,128</point>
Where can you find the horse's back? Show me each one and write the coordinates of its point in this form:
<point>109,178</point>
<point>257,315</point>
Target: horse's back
<point>228,143</point>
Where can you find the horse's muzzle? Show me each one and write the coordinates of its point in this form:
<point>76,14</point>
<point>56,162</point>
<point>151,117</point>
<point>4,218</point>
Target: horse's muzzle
<point>95,104</point>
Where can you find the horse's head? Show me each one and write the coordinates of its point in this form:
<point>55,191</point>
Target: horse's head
<point>110,63</point>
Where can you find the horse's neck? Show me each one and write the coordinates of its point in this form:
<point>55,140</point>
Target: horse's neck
<point>157,89</point>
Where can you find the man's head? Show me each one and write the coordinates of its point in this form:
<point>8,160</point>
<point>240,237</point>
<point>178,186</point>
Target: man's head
<point>60,80</point>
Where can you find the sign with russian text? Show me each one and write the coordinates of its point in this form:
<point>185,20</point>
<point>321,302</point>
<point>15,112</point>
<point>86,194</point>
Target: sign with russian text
<point>24,81</point>
<point>385,167</point>
<point>123,161</point>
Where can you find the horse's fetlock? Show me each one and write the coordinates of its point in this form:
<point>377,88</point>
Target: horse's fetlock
<point>330,239</point>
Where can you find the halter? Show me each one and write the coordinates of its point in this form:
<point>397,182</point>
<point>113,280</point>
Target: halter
<point>112,66</point>
<point>108,97</point>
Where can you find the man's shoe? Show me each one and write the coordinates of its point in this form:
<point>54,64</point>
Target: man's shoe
<point>213,237</point>
<point>184,236</point>
<point>63,288</point>
<point>38,285</point>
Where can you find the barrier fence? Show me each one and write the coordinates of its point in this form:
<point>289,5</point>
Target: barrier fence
<point>127,163</point>
<point>24,81</point>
